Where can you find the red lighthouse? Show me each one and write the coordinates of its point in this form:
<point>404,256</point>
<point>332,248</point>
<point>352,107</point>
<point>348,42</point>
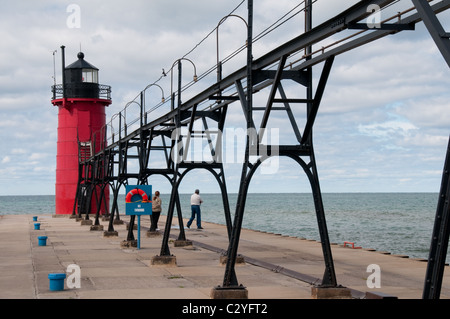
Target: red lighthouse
<point>81,103</point>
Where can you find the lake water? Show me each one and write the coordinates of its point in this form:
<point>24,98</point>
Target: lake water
<point>400,223</point>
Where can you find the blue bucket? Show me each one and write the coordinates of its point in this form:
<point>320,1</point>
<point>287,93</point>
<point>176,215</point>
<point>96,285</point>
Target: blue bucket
<point>42,240</point>
<point>56,281</point>
<point>37,226</point>
<point>34,218</point>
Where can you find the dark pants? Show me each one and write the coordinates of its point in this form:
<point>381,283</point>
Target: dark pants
<point>195,212</point>
<point>154,217</point>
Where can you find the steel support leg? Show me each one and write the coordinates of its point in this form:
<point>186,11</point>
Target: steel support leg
<point>329,277</point>
<point>230,279</point>
<point>78,192</point>
<point>440,237</point>
<point>437,32</point>
<point>165,251</point>
<point>114,209</point>
<point>99,203</point>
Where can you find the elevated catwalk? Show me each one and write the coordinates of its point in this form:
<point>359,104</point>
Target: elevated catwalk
<point>174,132</point>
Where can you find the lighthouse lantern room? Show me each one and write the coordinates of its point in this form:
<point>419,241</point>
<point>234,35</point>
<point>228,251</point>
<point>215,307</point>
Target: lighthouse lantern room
<point>81,103</point>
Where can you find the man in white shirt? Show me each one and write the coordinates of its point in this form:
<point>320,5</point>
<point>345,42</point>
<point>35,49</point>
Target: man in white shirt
<point>196,201</point>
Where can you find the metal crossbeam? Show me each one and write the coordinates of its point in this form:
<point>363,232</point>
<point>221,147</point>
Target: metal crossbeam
<point>372,36</point>
<point>317,99</point>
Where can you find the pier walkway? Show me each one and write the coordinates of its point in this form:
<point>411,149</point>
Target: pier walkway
<point>276,267</point>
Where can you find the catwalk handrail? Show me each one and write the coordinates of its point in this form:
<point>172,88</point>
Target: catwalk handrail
<point>325,30</point>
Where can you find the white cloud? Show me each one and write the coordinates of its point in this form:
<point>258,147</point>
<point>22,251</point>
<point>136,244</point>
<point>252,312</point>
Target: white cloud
<point>18,151</point>
<point>37,156</point>
<point>388,99</point>
<point>6,159</point>
<point>388,129</point>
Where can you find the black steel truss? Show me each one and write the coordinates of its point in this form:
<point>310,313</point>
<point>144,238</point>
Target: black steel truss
<point>109,167</point>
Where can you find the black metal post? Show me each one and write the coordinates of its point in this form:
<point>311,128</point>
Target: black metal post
<point>63,57</point>
<point>329,278</point>
<point>179,84</point>
<point>230,279</point>
<point>114,209</point>
<point>182,234</point>
<point>78,191</point>
<point>99,204</point>
<point>440,237</point>
<point>165,251</point>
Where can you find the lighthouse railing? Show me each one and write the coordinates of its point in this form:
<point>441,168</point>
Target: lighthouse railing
<point>78,90</point>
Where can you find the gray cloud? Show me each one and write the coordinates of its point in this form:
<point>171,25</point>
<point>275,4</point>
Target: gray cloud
<point>382,126</point>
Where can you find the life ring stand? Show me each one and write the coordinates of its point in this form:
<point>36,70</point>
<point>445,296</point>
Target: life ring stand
<point>136,191</point>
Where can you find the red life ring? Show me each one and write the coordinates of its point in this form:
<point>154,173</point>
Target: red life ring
<point>136,191</point>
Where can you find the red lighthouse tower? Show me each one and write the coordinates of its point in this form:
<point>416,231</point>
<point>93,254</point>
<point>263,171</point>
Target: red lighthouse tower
<point>81,103</point>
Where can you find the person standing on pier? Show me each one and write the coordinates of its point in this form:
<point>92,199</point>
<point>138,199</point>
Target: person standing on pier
<point>196,201</point>
<point>156,211</point>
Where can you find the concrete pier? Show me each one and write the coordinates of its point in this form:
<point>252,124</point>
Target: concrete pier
<point>274,267</point>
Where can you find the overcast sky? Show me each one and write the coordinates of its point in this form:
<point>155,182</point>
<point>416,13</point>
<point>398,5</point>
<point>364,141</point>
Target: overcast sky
<point>383,125</point>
